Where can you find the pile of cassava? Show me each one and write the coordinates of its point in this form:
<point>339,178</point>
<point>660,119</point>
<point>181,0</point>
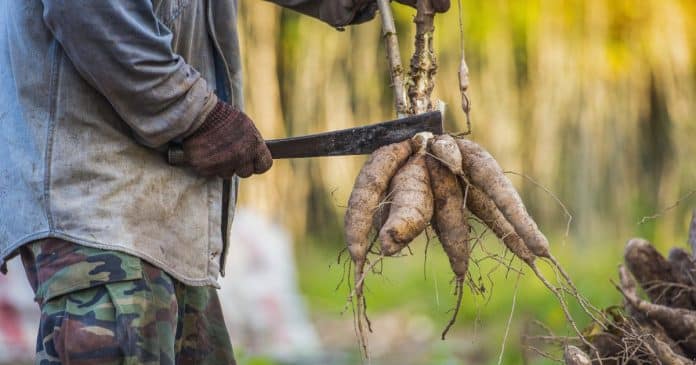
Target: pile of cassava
<point>438,181</point>
<point>659,330</point>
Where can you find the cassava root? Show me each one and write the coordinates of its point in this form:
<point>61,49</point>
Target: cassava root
<point>659,329</point>
<point>370,185</point>
<point>411,206</point>
<point>441,181</point>
<point>450,224</point>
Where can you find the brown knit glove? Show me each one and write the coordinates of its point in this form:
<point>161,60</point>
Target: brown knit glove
<point>226,144</point>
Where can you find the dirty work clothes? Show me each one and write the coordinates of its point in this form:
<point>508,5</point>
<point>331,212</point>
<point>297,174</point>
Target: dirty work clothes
<point>104,307</point>
<point>92,92</point>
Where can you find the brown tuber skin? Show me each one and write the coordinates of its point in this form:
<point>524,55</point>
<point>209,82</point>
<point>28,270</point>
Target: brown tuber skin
<point>654,274</point>
<point>382,212</point>
<point>450,224</point>
<point>657,332</point>
<point>684,272</point>
<point>574,356</point>
<point>370,185</point>
<point>445,148</point>
<point>411,206</point>
<point>449,216</point>
<point>483,207</point>
<point>484,172</point>
<point>665,354</point>
<point>679,323</point>
<point>651,333</point>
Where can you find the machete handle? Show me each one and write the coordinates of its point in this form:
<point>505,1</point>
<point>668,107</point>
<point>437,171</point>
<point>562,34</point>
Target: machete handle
<point>176,155</point>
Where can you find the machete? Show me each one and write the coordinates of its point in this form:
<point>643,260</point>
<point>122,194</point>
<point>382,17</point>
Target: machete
<point>352,141</point>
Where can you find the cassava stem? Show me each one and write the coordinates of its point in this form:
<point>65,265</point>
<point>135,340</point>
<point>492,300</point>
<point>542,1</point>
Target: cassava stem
<point>423,62</point>
<point>401,102</point>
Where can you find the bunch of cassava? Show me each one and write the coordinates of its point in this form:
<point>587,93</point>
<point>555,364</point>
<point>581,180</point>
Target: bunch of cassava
<point>658,330</point>
<point>437,180</point>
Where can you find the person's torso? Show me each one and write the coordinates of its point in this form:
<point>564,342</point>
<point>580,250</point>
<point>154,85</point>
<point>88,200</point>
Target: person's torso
<point>72,169</point>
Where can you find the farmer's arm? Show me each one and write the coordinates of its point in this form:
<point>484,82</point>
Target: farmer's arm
<point>122,50</point>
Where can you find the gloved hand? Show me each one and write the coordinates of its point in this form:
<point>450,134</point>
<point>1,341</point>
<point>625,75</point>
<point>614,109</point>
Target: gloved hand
<point>440,6</point>
<point>366,10</point>
<point>227,143</point>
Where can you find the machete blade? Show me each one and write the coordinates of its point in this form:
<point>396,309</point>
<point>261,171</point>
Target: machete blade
<point>358,140</point>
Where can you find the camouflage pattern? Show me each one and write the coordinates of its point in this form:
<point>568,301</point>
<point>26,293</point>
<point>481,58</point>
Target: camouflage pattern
<point>130,313</point>
<point>55,267</point>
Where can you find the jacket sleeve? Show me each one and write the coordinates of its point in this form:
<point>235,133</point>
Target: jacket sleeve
<point>337,13</point>
<point>124,52</point>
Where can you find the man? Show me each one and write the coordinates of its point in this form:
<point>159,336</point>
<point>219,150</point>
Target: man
<point>122,250</point>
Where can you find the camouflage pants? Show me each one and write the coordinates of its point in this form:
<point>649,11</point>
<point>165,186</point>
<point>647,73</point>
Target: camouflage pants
<point>150,320</point>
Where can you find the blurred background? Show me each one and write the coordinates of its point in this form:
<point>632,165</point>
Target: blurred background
<point>592,100</point>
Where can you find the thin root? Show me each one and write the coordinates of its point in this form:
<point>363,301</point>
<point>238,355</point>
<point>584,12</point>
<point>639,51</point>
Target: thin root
<point>587,307</point>
<point>425,256</point>
<point>509,321</point>
<point>564,306</point>
<point>663,211</point>
<point>459,292</point>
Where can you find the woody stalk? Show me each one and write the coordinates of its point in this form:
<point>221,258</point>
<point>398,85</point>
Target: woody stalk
<point>411,90</point>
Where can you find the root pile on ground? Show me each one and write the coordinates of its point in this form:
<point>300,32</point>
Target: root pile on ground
<point>657,329</point>
<point>441,181</point>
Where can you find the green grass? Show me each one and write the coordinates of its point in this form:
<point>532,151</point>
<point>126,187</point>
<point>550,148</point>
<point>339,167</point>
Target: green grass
<point>403,287</point>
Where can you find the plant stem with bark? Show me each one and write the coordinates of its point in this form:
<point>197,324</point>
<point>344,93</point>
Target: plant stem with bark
<point>391,41</point>
<point>423,62</point>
